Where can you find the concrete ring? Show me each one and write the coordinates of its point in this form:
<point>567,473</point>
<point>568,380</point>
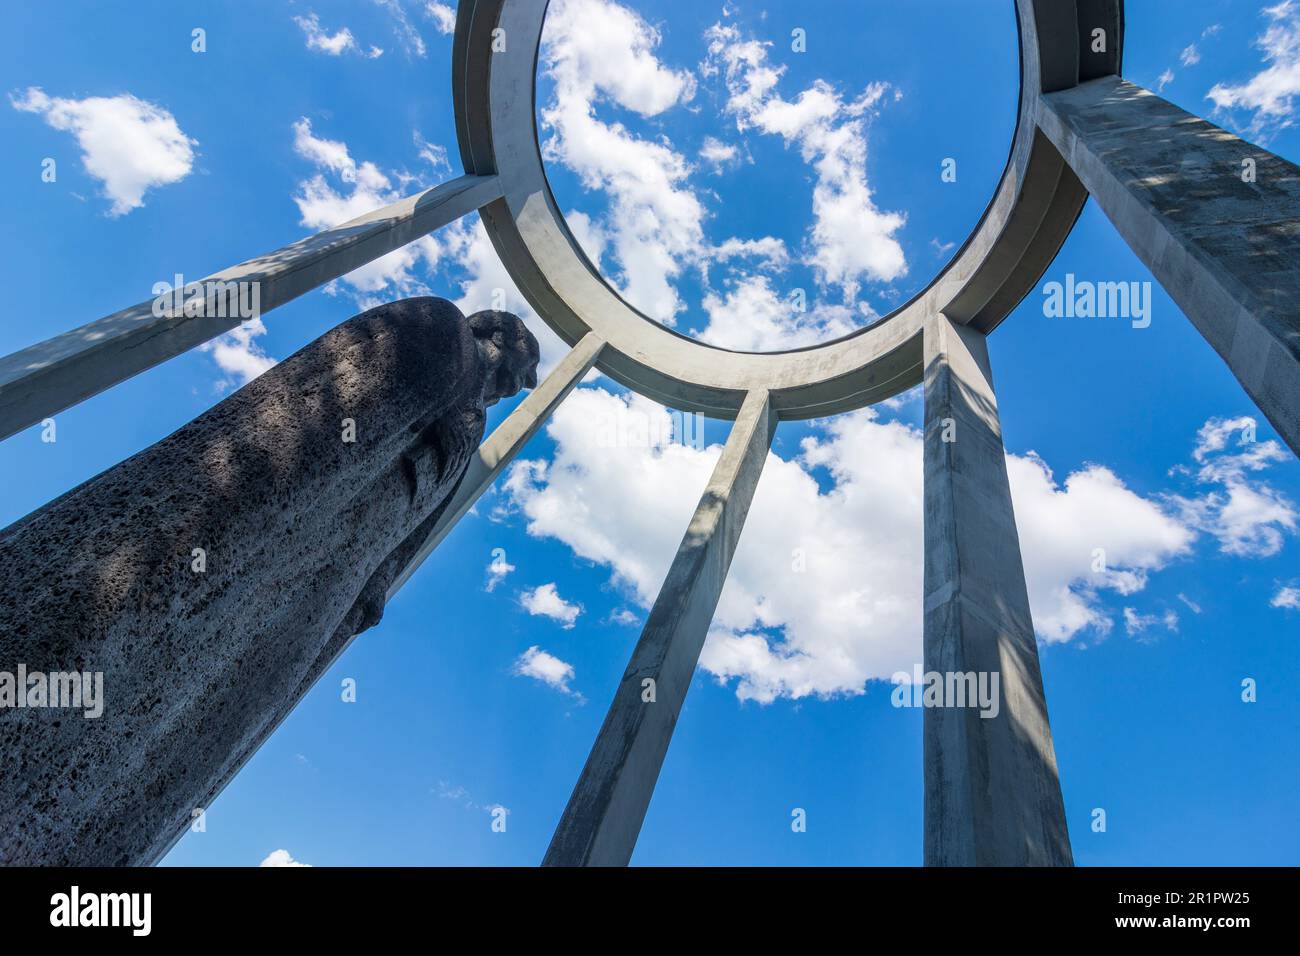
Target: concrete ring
<point>1032,212</point>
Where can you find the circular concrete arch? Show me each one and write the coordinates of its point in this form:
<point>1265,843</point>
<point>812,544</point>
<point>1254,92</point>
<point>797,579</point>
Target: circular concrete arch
<point>1029,217</point>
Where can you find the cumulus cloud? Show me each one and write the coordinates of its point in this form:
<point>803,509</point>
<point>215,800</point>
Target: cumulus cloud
<point>443,16</point>
<point>333,44</point>
<point>238,355</point>
<point>545,601</point>
<point>1286,597</point>
<point>1269,94</point>
<point>281,858</point>
<point>1249,517</point>
<point>1190,56</point>
<point>128,144</point>
<point>344,189</point>
<point>547,668</point>
<point>824,593</point>
<point>601,56</point>
<point>768,252</point>
<point>753,316</point>
<point>717,153</point>
<point>596,52</point>
<point>851,239</point>
<point>1085,536</point>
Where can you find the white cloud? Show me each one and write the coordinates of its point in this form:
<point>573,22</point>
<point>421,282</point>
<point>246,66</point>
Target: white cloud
<point>346,189</point>
<point>717,153</point>
<point>752,316</point>
<point>497,570</point>
<point>406,32</point>
<point>1287,597</point>
<point>443,15</point>
<point>1249,518</point>
<point>1062,528</point>
<point>432,153</point>
<point>545,601</point>
<point>771,253</point>
<point>128,144</point>
<point>1164,80</point>
<point>599,54</point>
<point>600,48</point>
<point>596,51</point>
<point>547,668</point>
<point>852,240</point>
<point>1136,624</point>
<point>854,613</point>
<point>281,858</point>
<point>238,355</point>
<point>1190,56</point>
<point>1270,93</point>
<point>625,617</point>
<point>318,39</point>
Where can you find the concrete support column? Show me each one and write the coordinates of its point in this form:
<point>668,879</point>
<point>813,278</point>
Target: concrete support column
<point>1215,219</point>
<point>992,795</point>
<point>604,815</point>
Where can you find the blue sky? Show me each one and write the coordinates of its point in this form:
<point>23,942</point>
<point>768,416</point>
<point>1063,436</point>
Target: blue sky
<point>712,171</point>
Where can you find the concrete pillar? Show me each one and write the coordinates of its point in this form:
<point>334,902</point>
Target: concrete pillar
<point>992,796</point>
<point>505,442</point>
<point>604,815</point>
<point>1215,219</point>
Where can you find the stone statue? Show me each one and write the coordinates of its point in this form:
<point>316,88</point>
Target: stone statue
<point>214,576</point>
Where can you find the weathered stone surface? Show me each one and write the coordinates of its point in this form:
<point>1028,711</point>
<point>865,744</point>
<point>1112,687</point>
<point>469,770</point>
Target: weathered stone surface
<point>302,533</point>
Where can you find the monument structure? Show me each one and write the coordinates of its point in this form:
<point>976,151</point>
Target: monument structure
<point>1226,248</point>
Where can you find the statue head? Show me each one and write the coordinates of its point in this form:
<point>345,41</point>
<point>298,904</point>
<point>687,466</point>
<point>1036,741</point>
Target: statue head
<point>509,352</point>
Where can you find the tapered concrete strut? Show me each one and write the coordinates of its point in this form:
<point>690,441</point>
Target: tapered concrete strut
<point>1215,219</point>
<point>992,795</point>
<point>604,815</point>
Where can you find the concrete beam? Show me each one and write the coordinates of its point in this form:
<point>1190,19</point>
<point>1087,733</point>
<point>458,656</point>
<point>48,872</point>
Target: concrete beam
<point>1215,219</point>
<point>604,815</point>
<point>992,794</point>
<point>48,377</point>
<point>500,448</point>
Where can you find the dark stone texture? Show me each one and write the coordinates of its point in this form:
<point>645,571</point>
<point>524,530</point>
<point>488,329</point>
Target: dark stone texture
<point>302,531</point>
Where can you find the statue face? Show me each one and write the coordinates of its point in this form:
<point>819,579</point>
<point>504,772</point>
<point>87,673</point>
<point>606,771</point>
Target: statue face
<point>509,353</point>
